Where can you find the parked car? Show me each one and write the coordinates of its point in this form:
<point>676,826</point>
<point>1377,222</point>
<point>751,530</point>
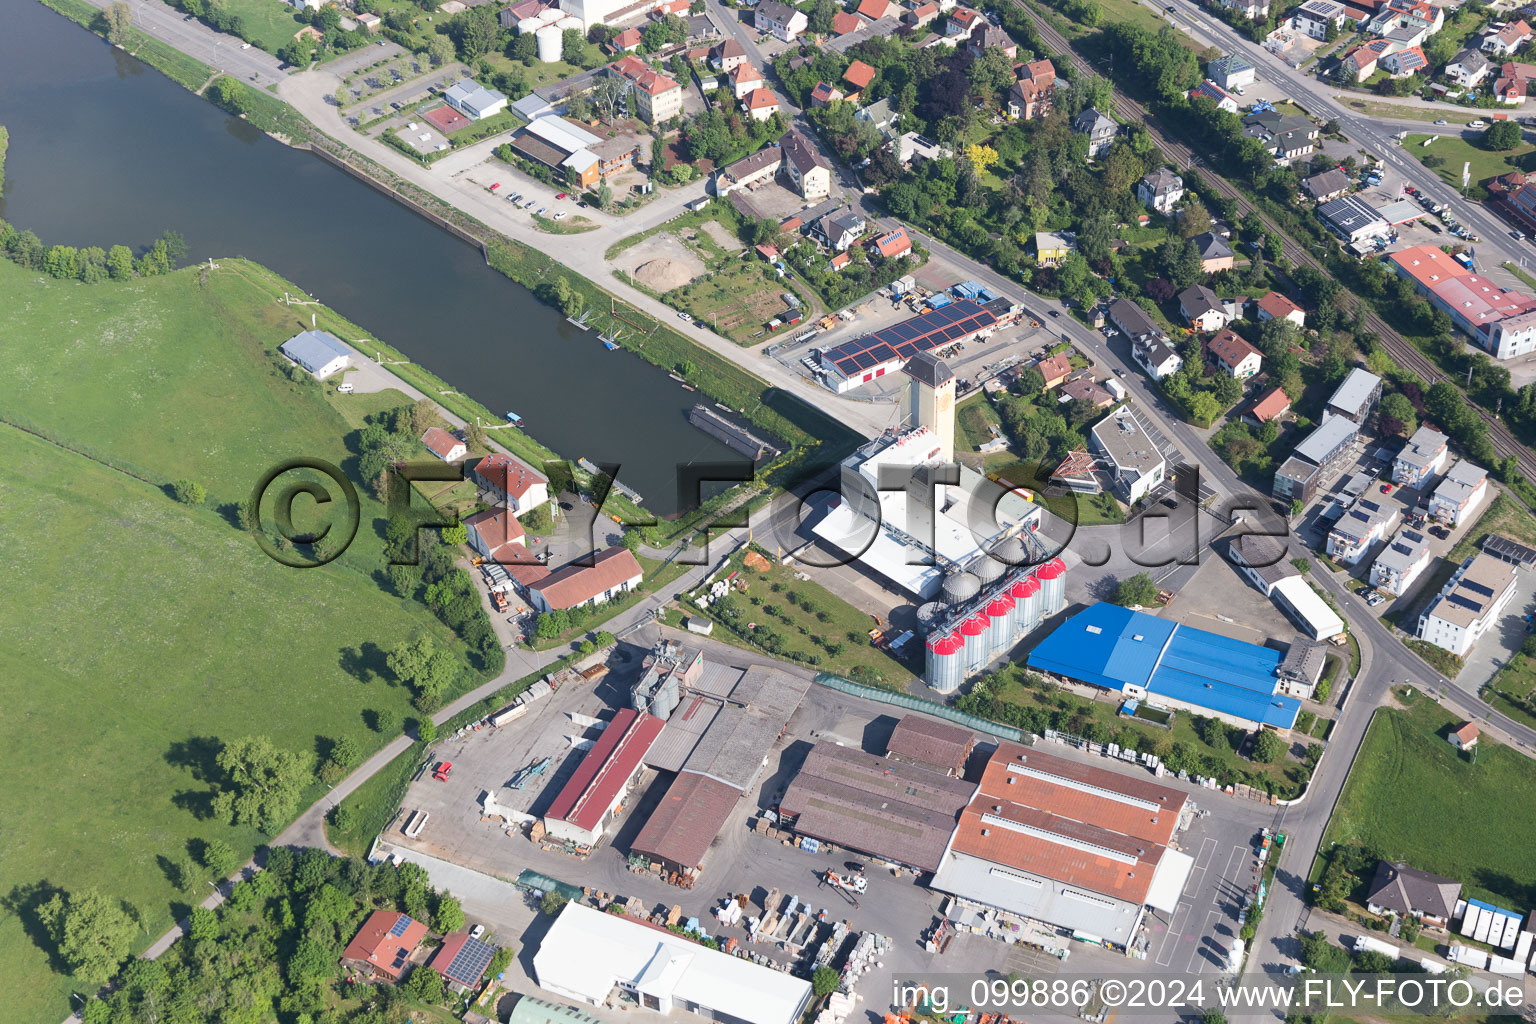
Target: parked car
<point>495,185</point>
<point>1478,124</point>
<point>560,195</point>
<point>685,318</point>
<point>561,215</point>
<point>1441,121</point>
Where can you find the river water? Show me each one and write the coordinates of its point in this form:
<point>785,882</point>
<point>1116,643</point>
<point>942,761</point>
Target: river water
<point>106,150</point>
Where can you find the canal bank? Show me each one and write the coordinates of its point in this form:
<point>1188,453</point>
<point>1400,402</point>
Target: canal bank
<point>550,369</point>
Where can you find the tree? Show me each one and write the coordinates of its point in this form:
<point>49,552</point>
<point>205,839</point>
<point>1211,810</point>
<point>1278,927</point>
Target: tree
<point>1268,747</point>
<point>553,902</point>
<point>419,664</point>
<point>120,263</point>
<point>824,981</point>
<point>119,18</point>
<point>189,492</point>
<point>473,32</point>
<point>425,984</point>
<point>1194,218</point>
<point>604,196</point>
<point>92,933</point>
<point>1501,135</point>
<point>294,53</point>
<point>219,857</point>
<point>524,48</point>
<point>1296,507</point>
<point>426,730</point>
<point>1213,1015</point>
<point>440,50</point>
<point>1400,412</point>
<point>1137,590</point>
<point>449,916</point>
<point>262,783</point>
<point>981,157</point>
<point>345,753</point>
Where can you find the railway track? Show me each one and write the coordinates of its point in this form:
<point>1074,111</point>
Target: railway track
<point>1402,351</point>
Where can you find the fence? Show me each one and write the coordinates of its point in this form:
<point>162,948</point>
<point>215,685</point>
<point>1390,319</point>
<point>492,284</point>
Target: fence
<point>927,707</point>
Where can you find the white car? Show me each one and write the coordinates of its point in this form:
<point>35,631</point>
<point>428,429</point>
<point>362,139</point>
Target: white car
<point>1441,121</point>
<point>685,318</point>
<point>561,215</point>
<point>540,211</point>
<point>1477,124</point>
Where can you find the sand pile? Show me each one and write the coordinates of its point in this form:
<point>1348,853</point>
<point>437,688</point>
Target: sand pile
<point>663,275</point>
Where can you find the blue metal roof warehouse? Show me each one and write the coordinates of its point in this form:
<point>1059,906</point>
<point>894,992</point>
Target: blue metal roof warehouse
<point>1114,647</point>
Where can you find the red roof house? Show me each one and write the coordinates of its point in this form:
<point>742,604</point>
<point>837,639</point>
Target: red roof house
<point>575,584</point>
<point>384,944</point>
<point>896,243</point>
<point>1273,405</point>
<point>761,104</point>
<point>627,41</point>
<point>825,93</point>
<point>504,475</point>
<point>874,10</point>
<point>443,444</point>
<point>844,23</point>
<point>859,75</point>
<point>1275,306</point>
<point>1464,736</point>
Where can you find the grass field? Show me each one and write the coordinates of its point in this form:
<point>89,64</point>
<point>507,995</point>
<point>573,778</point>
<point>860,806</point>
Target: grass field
<point>1456,151</point>
<point>142,630</point>
<point>1410,796</point>
<point>1402,110</point>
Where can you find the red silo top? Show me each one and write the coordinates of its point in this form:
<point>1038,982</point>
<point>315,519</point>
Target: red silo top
<point>1052,569</point>
<point>1026,587</point>
<point>999,606</point>
<point>950,644</point>
<point>975,625</point>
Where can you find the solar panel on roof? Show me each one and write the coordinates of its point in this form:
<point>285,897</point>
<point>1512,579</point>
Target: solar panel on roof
<point>470,962</point>
<point>400,925</point>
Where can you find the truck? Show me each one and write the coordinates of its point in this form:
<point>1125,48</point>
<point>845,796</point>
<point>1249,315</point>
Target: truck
<point>442,771</point>
<point>499,600</point>
<point>1366,944</point>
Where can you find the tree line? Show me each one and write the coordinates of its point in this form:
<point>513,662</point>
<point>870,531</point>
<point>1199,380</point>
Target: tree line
<point>92,264</point>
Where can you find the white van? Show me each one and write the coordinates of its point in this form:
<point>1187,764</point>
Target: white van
<point>344,388</point>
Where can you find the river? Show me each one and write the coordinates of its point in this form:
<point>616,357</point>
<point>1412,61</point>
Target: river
<point>106,150</point>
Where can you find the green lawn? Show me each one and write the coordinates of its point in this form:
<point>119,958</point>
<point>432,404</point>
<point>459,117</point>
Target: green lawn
<point>137,630</point>
<point>270,24</point>
<point>1410,796</point>
<point>1456,151</point>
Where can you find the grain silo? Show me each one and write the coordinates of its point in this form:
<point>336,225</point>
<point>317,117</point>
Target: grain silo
<point>960,587</point>
<point>946,662</point>
<point>551,43</point>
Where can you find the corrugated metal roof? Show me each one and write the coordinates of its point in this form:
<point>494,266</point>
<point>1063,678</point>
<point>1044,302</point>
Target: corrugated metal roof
<point>606,769</point>
<point>690,815</point>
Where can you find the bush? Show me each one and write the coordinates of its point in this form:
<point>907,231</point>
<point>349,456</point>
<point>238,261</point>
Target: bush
<point>1138,590</point>
<point>1268,747</point>
<point>189,492</point>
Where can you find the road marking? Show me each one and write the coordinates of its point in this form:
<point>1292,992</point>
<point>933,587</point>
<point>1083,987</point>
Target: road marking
<point>1194,954</point>
<point>1165,957</point>
<point>1229,875</point>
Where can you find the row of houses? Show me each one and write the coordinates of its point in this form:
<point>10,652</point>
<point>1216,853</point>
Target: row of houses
<point>1349,409</point>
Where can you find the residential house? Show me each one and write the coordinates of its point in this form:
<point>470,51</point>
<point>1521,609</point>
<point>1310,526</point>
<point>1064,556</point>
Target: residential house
<point>782,20</point>
<point>1274,404</point>
<point>874,10</point>
<point>462,961</point>
<point>744,78</point>
<point>882,114</point>
<point>1253,10</point>
<point>1053,247</point>
<point>1101,131</point>
<point>1330,184</point>
<point>1365,522</point>
<point>1508,39</point>
<point>752,170</point>
<point>510,482</point>
<point>761,104</point>
<point>444,445</point>
<point>962,22</point>
<point>1400,562</point>
<point>825,94</point>
<point>1209,90</point>
<point>627,41</point>
<point>858,76</point>
<point>369,22</point>
<point>1359,62</point>
<point>1132,321</point>
<point>911,146</point>
<point>1410,60</point>
<point>1513,83</point>
<point>384,944</point>
<point>1156,356</point>
<point>1083,389</point>
<point>1300,476</point>
<point>891,245</point>
<point>1457,496</point>
<point>1042,72</point>
<point>474,100</point>
<point>1054,369</point>
<point>1026,101</point>
<point>1355,399</point>
<point>1402,891</point>
<point>1316,16</point>
<point>1231,72</point>
<point>839,229</point>
<point>844,23</point>
<point>725,55</point>
<point>1421,459</point>
<point>808,171</point>
<point>1203,310</point>
<point>1233,355</point>
<point>657,97</point>
<point>1215,253</point>
<point>1468,69</point>
<point>1469,604</point>
<point>921,15</point>
<point>496,534</point>
<point>610,573</point>
<point>1410,21</point>
<point>1274,306</point>
<point>1464,736</point>
<point>1287,137</point>
<point>1160,191</point>
<point>1135,463</point>
<point>991,37</point>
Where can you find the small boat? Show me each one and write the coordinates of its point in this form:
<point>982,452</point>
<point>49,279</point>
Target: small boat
<point>689,387</point>
<point>514,419</point>
<point>609,345</point>
<point>675,377</point>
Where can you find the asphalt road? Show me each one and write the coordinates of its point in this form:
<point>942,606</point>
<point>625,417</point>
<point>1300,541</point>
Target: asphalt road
<point>224,52</point>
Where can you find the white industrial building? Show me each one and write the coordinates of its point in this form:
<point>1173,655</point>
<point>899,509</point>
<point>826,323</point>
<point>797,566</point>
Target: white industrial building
<point>474,100</point>
<point>319,352</point>
<point>1469,604</point>
<point>586,954</point>
<point>1134,461</point>
<point>1080,849</point>
<point>1295,596</point>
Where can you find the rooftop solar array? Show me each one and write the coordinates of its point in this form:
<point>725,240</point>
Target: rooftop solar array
<point>1508,550</point>
<point>470,962</point>
<point>954,322</point>
<point>400,925</point>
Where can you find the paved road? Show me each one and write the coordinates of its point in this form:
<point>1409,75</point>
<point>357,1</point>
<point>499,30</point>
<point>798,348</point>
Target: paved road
<point>225,52</point>
<point>1374,134</point>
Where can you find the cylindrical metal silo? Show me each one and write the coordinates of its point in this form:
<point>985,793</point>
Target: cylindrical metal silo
<point>1053,585</point>
<point>974,629</point>
<point>946,662</point>
<point>568,22</point>
<point>666,698</point>
<point>986,569</point>
<point>960,587</point>
<point>1000,632</point>
<point>549,15</point>
<point>1010,551</point>
<point>551,43</point>
<point>529,25</point>
<point>1026,600</point>
<point>927,615</point>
